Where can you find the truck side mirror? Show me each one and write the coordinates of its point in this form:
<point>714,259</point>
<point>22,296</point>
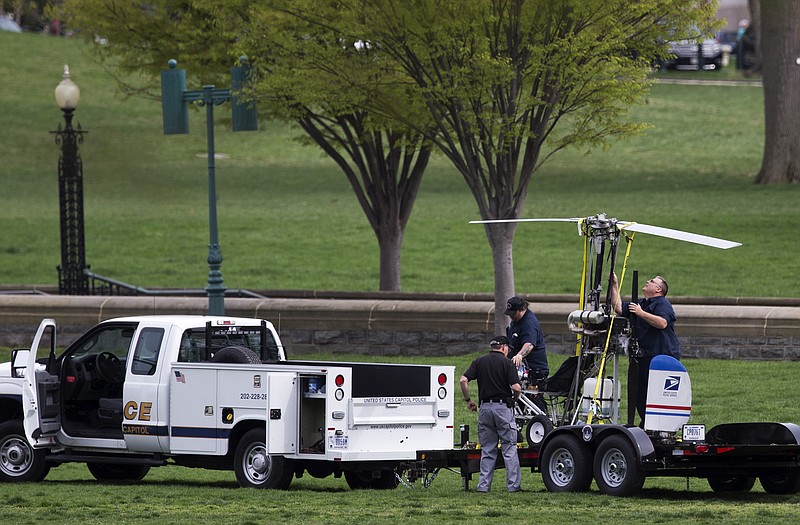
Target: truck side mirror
<point>19,362</point>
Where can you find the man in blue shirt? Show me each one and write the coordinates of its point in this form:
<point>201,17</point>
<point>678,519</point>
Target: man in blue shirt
<point>655,328</point>
<point>526,340</point>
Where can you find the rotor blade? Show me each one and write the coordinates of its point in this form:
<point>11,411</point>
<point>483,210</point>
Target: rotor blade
<point>679,235</point>
<point>490,221</point>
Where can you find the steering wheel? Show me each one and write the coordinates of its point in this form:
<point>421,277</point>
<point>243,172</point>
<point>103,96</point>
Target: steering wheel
<point>109,367</point>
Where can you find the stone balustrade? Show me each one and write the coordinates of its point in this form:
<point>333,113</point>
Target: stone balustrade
<point>391,326</point>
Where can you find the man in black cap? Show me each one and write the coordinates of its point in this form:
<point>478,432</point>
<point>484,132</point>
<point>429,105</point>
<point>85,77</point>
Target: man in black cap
<point>526,341</point>
<point>498,390</point>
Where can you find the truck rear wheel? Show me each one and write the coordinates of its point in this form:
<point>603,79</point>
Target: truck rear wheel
<point>731,483</point>
<point>616,467</point>
<point>566,465</point>
<point>18,460</point>
<point>113,472</point>
<point>359,480</point>
<point>257,469</point>
<point>781,481</point>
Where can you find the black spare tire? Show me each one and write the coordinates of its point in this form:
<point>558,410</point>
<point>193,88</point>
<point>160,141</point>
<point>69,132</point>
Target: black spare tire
<point>236,354</point>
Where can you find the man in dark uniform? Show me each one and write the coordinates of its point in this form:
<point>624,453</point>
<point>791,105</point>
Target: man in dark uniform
<point>526,340</point>
<point>655,329</point>
<point>498,390</point>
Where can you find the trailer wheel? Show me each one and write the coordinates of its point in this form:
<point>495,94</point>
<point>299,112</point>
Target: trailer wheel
<point>236,354</point>
<point>731,483</point>
<point>781,481</point>
<point>538,427</point>
<point>257,469</point>
<point>112,472</point>
<point>566,465</point>
<point>359,480</point>
<point>616,467</point>
<point>18,460</point>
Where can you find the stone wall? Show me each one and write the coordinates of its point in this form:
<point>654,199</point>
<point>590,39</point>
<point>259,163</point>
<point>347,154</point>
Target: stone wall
<point>397,327</point>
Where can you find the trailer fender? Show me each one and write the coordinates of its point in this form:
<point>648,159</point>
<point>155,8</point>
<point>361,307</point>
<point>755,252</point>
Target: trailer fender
<point>755,433</point>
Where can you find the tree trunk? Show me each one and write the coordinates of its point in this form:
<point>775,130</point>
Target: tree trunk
<point>390,242</point>
<point>780,42</point>
<point>501,241</point>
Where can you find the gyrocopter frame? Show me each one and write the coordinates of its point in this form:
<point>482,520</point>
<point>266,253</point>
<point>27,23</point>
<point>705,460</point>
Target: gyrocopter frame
<point>601,333</point>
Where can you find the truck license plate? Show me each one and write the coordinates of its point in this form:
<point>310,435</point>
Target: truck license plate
<point>338,441</point>
<point>694,432</point>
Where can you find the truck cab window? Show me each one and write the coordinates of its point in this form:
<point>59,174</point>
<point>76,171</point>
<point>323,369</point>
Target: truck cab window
<point>145,356</point>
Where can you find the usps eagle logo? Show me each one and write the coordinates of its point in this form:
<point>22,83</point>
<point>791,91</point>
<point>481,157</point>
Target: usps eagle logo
<point>672,383</point>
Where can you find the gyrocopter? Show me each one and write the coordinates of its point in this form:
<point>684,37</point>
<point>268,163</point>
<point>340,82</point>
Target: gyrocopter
<point>583,390</point>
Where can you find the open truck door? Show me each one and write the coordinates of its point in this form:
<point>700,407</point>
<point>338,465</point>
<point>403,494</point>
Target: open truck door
<point>41,397</point>
<point>282,417</point>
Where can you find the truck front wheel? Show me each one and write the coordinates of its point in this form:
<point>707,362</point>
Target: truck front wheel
<point>18,460</point>
<point>566,465</point>
<point>257,469</point>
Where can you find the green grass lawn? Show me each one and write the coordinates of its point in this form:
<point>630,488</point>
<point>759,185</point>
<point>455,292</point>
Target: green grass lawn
<point>288,219</point>
<point>723,391</point>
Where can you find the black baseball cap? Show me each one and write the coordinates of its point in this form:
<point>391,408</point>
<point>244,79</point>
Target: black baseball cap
<point>498,341</point>
<point>514,304</point>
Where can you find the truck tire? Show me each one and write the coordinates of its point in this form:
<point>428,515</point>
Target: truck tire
<point>616,467</point>
<point>255,468</point>
<point>538,427</point>
<point>113,472</point>
<point>236,354</point>
<point>781,481</point>
<point>359,480</point>
<point>731,483</point>
<point>18,460</point>
<point>566,465</point>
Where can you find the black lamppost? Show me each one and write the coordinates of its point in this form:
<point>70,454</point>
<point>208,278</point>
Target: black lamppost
<point>72,279</point>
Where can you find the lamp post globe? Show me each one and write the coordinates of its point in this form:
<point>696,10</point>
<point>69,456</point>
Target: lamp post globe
<point>68,94</point>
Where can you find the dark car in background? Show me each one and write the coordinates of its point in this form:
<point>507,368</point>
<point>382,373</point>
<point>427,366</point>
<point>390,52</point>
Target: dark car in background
<point>683,55</point>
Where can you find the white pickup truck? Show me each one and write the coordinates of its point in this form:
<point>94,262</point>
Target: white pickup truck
<point>213,392</point>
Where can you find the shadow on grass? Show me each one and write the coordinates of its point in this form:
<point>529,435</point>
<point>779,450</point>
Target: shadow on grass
<point>190,484</point>
<point>707,496</point>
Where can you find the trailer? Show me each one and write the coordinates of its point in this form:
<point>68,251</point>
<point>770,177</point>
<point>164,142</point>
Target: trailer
<point>619,458</point>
